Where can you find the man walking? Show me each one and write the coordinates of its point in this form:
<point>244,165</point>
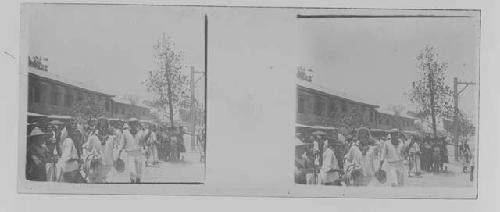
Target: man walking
<point>329,171</point>
<point>391,153</point>
<point>37,156</point>
<point>134,139</point>
<point>152,142</point>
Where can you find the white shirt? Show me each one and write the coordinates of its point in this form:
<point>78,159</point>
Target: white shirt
<point>152,138</point>
<point>107,151</point>
<point>329,161</point>
<point>133,142</point>
<point>93,146</point>
<point>68,150</point>
<point>315,145</point>
<point>391,153</point>
<point>341,138</point>
<point>354,156</point>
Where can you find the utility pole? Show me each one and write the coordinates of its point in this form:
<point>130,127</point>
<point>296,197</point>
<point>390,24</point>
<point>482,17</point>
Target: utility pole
<point>456,94</point>
<point>193,111</point>
<point>193,106</point>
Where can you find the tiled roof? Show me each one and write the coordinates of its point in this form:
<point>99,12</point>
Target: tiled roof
<point>340,94</point>
<point>56,77</point>
<point>389,112</point>
<point>126,101</point>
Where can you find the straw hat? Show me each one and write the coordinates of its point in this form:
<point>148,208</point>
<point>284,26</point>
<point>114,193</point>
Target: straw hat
<point>36,132</point>
<point>133,120</point>
<point>56,122</point>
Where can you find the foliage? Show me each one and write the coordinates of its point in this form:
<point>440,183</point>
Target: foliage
<point>465,126</point>
<point>167,83</point>
<point>38,63</point>
<point>88,107</point>
<point>430,92</point>
<point>304,74</point>
<point>396,109</point>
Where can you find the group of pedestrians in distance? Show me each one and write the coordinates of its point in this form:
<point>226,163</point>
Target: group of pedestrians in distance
<point>67,151</point>
<point>362,159</point>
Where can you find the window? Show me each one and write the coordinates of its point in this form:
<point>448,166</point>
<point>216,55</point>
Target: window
<point>31,92</point>
<point>332,108</point>
<point>39,93</point>
<point>319,106</point>
<point>344,107</point>
<point>106,105</point>
<point>80,97</point>
<point>68,100</point>
<point>36,93</point>
<point>301,104</point>
<point>54,96</point>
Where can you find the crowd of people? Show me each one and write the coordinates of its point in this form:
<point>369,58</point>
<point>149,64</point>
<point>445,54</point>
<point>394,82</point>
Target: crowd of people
<point>360,158</point>
<point>69,151</point>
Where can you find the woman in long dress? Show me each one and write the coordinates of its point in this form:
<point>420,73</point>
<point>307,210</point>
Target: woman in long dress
<point>92,151</point>
<point>353,165</point>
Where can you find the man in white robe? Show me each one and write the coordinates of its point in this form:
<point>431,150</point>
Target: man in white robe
<point>68,152</point>
<point>353,164</point>
<point>133,139</point>
<point>329,170</point>
<point>391,160</point>
<point>92,150</point>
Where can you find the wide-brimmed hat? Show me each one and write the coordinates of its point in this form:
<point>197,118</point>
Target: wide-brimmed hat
<point>36,132</point>
<point>133,120</point>
<point>319,132</point>
<point>56,122</point>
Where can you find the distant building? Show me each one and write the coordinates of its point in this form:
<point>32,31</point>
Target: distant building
<point>319,106</point>
<point>123,109</point>
<point>51,94</point>
<point>389,120</point>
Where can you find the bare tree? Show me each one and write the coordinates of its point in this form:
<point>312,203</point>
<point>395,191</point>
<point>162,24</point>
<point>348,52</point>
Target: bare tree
<point>430,92</point>
<point>167,82</point>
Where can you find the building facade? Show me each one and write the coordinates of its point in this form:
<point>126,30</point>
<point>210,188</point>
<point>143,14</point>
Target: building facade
<point>50,94</point>
<point>317,106</point>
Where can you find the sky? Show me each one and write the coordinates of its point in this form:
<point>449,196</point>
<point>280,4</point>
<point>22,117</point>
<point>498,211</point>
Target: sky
<point>375,59</point>
<point>111,47</point>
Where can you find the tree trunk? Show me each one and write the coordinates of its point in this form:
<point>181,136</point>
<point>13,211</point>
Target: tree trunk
<point>432,103</point>
<point>169,92</point>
